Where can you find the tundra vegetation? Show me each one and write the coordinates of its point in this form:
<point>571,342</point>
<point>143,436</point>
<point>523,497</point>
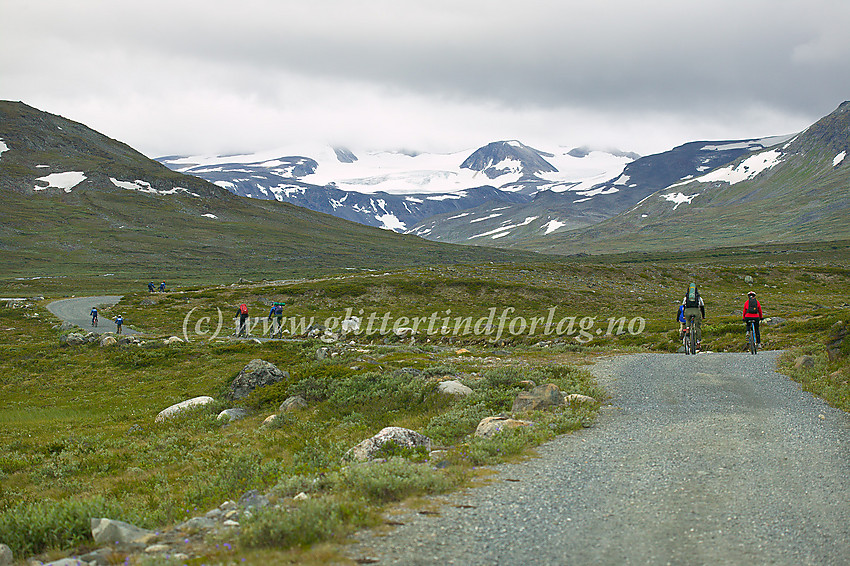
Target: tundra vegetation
<point>77,425</point>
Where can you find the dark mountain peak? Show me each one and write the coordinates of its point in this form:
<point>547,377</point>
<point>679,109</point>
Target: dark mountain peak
<point>829,135</point>
<point>511,156</point>
<point>344,155</point>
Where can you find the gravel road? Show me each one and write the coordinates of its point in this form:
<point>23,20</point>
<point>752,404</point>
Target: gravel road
<point>76,311</point>
<point>708,459</point>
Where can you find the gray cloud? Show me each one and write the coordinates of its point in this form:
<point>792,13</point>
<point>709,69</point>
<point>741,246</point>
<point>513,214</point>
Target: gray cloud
<point>219,75</point>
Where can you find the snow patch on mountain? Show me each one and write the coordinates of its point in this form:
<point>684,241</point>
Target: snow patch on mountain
<point>145,187</point>
<point>838,158</point>
<point>3,147</point>
<point>553,225</point>
<point>679,198</point>
<point>65,181</point>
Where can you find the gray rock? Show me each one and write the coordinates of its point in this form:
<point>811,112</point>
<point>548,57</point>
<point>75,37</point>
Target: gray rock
<point>539,398</point>
<point>67,562</point>
<point>454,387</point>
<point>258,373</point>
<point>108,341</point>
<point>172,340</point>
<point>233,414</point>
<point>804,362</point>
<point>748,280</point>
<point>73,339</point>
<point>176,409</point>
<point>108,531</point>
<point>253,500</point>
<point>6,556</point>
<point>772,321</point>
<point>293,403</point>
<point>492,426</point>
<point>402,437</point>
<point>196,524</point>
<point>578,398</point>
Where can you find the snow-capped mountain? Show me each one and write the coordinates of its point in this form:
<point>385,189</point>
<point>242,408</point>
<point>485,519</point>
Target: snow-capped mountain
<point>567,206</point>
<point>397,190</point>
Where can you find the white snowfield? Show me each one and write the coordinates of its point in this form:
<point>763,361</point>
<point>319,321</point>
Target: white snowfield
<point>65,181</point>
<point>839,158</point>
<point>406,173</point>
<point>3,147</point>
<point>679,198</point>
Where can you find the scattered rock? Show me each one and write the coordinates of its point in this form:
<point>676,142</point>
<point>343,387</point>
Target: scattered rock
<point>404,332</point>
<point>402,437</point>
<point>351,324</point>
<point>748,280</point>
<point>67,562</point>
<point>301,497</point>
<point>197,524</point>
<point>578,398</point>
<point>6,556</point>
<point>253,499</point>
<point>804,362</point>
<point>157,549</point>
<point>258,373</point>
<point>527,384</point>
<point>491,426</point>
<point>233,414</point>
<point>173,410</point>
<point>73,339</point>
<point>454,387</point>
<point>109,531</point>
<point>772,321</point>
<point>541,397</point>
<point>462,352</point>
<point>108,341</point>
<point>269,420</point>
<point>172,340</point>
<point>293,403</point>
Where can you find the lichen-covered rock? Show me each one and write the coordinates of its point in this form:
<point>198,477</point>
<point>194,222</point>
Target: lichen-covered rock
<point>402,437</point>
<point>258,373</point>
<point>539,398</point>
<point>491,426</point>
<point>174,410</point>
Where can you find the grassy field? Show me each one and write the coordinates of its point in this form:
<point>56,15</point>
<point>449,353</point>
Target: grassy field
<point>77,423</point>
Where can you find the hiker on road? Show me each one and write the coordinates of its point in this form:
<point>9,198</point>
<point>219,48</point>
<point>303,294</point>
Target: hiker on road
<point>242,313</point>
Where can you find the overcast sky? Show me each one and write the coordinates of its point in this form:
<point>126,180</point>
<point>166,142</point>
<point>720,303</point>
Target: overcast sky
<point>188,77</point>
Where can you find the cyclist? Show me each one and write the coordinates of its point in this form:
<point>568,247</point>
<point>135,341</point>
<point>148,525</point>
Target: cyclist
<point>94,316</point>
<point>680,316</point>
<point>752,313</point>
<point>694,307</point>
<point>118,322</point>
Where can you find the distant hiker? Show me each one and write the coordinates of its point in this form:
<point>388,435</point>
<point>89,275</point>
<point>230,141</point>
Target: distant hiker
<point>694,307</point>
<point>752,313</point>
<point>150,287</point>
<point>94,316</point>
<point>277,312</point>
<point>680,316</point>
<point>162,287</point>
<point>242,313</point>
<point>118,322</point>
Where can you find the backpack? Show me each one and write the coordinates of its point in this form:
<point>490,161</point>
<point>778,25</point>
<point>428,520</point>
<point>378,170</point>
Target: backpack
<point>243,308</point>
<point>752,306</point>
<point>278,309</point>
<point>692,298</point>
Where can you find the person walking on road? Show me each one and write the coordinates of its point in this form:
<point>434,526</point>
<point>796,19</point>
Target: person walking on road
<point>752,313</point>
<point>276,312</point>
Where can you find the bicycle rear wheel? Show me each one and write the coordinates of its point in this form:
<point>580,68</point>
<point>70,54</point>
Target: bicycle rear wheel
<point>693,336</point>
<point>751,338</point>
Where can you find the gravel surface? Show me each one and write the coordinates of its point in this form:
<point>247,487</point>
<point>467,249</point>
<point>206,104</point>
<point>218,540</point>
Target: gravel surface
<point>76,311</point>
<point>707,459</point>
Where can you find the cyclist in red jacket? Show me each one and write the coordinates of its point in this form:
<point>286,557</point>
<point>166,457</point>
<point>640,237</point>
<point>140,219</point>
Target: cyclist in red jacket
<point>752,313</point>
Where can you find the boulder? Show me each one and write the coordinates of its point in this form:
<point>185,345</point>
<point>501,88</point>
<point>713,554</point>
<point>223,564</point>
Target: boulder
<point>578,398</point>
<point>293,403</point>
<point>6,557</point>
<point>771,321</point>
<point>233,414</point>
<point>258,373</point>
<point>66,562</point>
<point>269,420</point>
<point>73,339</point>
<point>402,437</point>
<point>491,426</point>
<point>539,398</point>
<point>804,362</point>
<point>454,387</point>
<point>108,341</point>
<point>172,340</point>
<point>748,280</point>
<point>108,531</point>
<point>174,410</point>
<point>351,324</point>
<point>196,524</point>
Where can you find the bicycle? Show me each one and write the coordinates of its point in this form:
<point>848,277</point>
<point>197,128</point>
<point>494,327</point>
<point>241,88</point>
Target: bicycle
<point>690,338</point>
<point>94,320</point>
<point>752,345</point>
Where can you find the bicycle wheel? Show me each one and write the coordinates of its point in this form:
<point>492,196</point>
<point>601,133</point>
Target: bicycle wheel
<point>751,339</point>
<point>693,336</point>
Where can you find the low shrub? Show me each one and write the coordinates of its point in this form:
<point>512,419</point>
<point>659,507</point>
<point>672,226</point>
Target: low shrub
<point>393,480</point>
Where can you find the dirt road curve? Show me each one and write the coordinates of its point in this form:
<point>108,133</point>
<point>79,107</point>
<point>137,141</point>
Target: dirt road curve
<point>708,459</point>
<point>76,311</point>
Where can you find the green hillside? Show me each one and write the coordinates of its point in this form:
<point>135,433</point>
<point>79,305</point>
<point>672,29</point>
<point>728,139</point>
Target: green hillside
<point>160,229</point>
<point>804,197</point>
